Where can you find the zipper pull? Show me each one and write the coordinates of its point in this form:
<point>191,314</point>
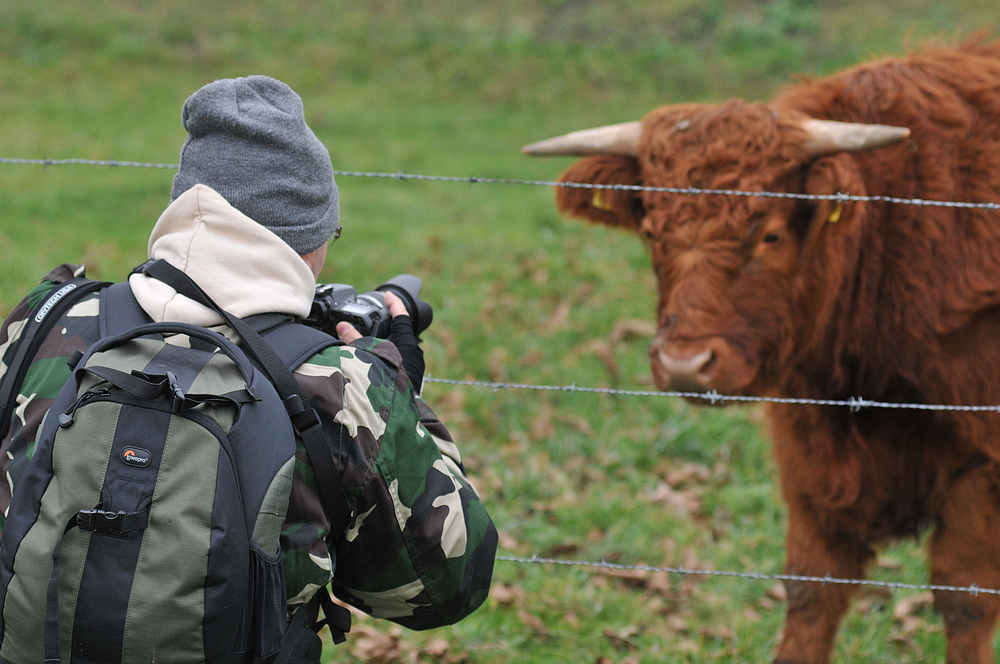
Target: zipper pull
<point>66,419</point>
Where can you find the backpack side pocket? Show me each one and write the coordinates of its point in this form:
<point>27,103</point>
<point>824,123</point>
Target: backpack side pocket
<point>266,614</point>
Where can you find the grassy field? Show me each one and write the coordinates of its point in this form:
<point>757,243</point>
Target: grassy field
<point>448,88</point>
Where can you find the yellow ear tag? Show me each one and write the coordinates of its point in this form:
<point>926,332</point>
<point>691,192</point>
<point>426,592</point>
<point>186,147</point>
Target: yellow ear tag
<point>598,202</point>
<point>835,214</point>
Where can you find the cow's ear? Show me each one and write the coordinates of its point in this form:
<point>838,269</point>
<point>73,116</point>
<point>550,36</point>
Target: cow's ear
<point>612,207</point>
<point>829,176</point>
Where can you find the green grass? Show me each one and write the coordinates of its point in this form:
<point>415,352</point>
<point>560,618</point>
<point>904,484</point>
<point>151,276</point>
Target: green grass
<point>453,88</point>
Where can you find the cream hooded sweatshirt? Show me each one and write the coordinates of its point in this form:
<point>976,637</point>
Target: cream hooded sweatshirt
<point>241,265</point>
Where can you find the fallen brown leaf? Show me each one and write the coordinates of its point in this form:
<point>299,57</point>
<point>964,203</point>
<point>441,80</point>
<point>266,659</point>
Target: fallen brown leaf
<point>532,622</point>
<point>506,594</point>
<point>689,473</point>
<point>371,645</point>
<point>557,320</point>
<point>720,632</point>
<point>623,638</point>
<point>625,329</point>
<point>912,605</point>
<point>685,503</point>
<point>676,623</point>
<point>531,358</point>
<point>436,648</point>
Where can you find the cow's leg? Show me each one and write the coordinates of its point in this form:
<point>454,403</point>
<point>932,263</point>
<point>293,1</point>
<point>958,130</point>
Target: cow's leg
<point>815,609</point>
<point>965,551</point>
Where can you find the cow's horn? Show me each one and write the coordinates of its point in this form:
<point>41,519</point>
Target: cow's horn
<point>621,139</point>
<point>826,136</point>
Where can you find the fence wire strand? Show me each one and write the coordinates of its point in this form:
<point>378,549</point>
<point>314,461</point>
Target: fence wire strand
<point>86,162</point>
<point>714,398</point>
<point>893,585</point>
<point>399,175</point>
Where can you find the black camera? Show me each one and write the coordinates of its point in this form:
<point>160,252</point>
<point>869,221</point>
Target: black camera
<point>333,303</point>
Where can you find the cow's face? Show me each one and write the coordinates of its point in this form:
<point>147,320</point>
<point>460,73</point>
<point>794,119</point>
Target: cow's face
<point>736,274</point>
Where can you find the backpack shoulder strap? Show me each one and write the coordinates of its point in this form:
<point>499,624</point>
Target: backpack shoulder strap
<point>120,311</point>
<point>295,343</point>
<point>39,323</point>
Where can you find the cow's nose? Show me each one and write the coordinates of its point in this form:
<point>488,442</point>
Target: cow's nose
<point>687,372</point>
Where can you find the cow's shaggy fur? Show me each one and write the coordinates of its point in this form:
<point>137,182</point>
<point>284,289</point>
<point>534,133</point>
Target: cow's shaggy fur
<point>824,299</point>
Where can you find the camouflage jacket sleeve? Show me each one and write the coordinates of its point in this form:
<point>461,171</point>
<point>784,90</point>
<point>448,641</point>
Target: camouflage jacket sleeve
<point>420,546</point>
<point>45,375</point>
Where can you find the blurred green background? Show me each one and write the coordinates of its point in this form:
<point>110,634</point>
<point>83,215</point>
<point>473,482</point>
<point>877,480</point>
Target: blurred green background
<point>455,89</point>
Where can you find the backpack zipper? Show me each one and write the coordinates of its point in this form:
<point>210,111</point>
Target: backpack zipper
<point>66,419</point>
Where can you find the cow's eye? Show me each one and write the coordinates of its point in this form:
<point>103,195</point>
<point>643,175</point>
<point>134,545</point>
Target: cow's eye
<point>771,237</point>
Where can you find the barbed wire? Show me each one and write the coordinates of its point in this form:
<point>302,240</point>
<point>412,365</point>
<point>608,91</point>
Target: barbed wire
<point>753,576</point>
<point>713,397</point>
<point>399,175</point>
<point>87,162</point>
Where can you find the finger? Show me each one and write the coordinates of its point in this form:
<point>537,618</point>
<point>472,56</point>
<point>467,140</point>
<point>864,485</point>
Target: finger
<point>347,332</point>
<point>395,304</point>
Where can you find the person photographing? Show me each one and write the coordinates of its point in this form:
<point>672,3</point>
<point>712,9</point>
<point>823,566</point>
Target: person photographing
<point>254,209</point>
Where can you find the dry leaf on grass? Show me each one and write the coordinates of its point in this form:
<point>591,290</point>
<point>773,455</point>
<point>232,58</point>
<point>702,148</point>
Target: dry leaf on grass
<point>689,473</point>
<point>912,605</point>
<point>778,592</point>
<point>436,648</point>
<point>720,633</point>
<point>557,321</point>
<point>371,645</point>
<point>685,503</point>
<point>531,358</point>
<point>676,623</point>
<point>623,638</point>
<point>508,543</point>
<point>533,622</point>
<point>626,329</point>
<point>907,612</point>
<point>506,594</point>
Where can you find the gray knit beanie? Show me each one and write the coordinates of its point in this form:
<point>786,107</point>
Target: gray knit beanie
<point>248,140</point>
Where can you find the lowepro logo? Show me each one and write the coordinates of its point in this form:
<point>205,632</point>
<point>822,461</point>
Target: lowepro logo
<point>136,456</point>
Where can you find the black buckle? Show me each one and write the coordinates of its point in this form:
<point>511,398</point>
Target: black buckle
<point>303,416</point>
<point>177,394</point>
<point>96,520</point>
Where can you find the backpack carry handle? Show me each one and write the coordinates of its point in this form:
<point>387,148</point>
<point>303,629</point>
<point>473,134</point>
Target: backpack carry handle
<point>214,338</point>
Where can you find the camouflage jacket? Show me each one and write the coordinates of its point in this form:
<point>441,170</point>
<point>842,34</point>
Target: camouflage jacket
<point>420,546</point>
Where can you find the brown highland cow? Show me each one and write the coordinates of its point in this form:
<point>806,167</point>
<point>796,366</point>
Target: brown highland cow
<point>833,299</point>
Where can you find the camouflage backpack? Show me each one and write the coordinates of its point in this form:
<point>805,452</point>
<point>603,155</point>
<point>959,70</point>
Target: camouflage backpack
<point>146,525</point>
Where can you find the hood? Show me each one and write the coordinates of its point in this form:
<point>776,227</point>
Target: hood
<point>241,265</point>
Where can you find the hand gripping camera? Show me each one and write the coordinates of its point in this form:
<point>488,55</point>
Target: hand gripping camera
<point>333,303</point>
